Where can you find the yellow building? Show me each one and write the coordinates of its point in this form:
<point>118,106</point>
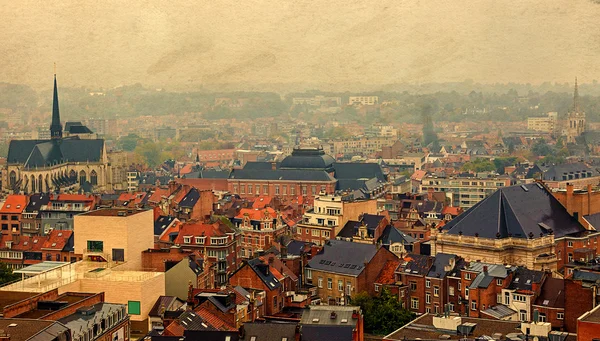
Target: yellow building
<point>114,235</point>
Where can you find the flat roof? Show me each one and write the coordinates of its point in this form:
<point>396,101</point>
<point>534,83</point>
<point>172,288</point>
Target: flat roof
<point>11,297</point>
<point>113,212</point>
<point>41,268</point>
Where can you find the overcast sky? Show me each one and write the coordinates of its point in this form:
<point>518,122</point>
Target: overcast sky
<point>177,43</point>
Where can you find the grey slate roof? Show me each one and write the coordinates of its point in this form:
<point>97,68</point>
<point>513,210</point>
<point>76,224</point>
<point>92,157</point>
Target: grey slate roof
<point>392,235</point>
<point>499,311</point>
<point>162,223</point>
<point>190,199</point>
<point>483,279</point>
<point>269,331</point>
<point>281,174</point>
<point>39,153</point>
<point>438,268</point>
<point>558,172</point>
<point>517,211</point>
<point>343,257</point>
<point>320,315</point>
<point>329,333</point>
<point>524,278</point>
<point>355,170</point>
<point>418,265</point>
<point>264,273</point>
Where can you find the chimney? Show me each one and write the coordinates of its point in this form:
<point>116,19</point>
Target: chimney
<point>273,165</point>
<point>297,333</point>
<point>485,269</point>
<point>232,298</point>
<point>569,198</point>
<point>283,251</point>
<point>271,259</point>
<point>430,193</point>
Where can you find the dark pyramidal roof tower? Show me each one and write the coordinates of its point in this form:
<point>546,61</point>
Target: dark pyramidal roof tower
<point>55,127</point>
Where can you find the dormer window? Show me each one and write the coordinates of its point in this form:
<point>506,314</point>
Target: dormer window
<point>187,239</point>
<point>200,240</point>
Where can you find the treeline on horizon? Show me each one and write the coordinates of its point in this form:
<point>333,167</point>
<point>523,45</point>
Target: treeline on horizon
<point>464,101</point>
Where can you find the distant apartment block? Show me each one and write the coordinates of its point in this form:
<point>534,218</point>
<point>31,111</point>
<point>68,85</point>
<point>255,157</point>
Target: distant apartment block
<point>318,101</point>
<point>364,100</point>
<point>465,191</point>
<point>548,124</point>
<point>363,145</point>
<point>329,214</point>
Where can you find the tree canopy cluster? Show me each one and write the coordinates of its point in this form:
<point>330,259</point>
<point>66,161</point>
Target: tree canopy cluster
<point>382,314</point>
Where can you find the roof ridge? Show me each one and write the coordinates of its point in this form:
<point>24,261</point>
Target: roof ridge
<point>514,215</point>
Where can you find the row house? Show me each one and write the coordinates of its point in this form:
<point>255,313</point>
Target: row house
<point>260,229</point>
<point>59,247</point>
<point>342,269</point>
<point>32,219</point>
<point>217,241</point>
<point>329,215</point>
<point>256,275</point>
<point>367,229</point>
<point>11,213</point>
<point>194,205</point>
<point>58,213</point>
<point>19,251</point>
<point>230,304</point>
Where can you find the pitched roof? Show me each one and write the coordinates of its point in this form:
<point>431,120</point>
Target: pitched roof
<point>190,199</point>
<point>518,211</point>
<point>391,235</point>
<point>330,333</point>
<point>164,302</point>
<point>265,273</point>
<point>416,264</point>
<point>552,294</point>
<point>36,201</point>
<point>257,214</point>
<point>39,153</point>
<point>387,274</point>
<point>441,261</point>
<point>343,257</point>
<point>281,174</point>
<point>523,279</point>
<point>158,194</point>
<point>197,229</point>
<point>14,203</point>
<point>269,331</point>
<point>564,171</point>
<point>59,240</point>
<point>322,315</point>
<point>162,223</point>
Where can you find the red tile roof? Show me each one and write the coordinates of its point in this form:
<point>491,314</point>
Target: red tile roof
<point>158,194</point>
<point>386,275</point>
<point>261,202</point>
<point>15,203</point>
<point>71,197</point>
<point>24,243</point>
<point>452,210</point>
<point>57,240</point>
<point>257,214</point>
<point>214,321</point>
<point>196,229</point>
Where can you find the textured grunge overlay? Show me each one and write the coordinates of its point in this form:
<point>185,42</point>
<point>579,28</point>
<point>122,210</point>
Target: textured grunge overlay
<point>245,44</point>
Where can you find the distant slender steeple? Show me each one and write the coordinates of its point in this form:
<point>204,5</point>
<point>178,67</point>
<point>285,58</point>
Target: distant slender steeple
<point>576,97</point>
<point>56,126</point>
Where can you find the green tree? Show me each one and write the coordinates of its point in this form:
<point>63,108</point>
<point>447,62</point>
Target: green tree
<point>129,142</point>
<point>541,148</point>
<point>383,314</point>
<point>6,274</point>
<point>150,152</point>
<point>479,165</point>
<point>503,162</point>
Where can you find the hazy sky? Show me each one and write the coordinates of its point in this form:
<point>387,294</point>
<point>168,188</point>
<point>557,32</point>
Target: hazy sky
<point>174,43</point>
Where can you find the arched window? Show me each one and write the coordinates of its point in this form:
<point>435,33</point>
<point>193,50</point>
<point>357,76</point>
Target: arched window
<point>40,183</point>
<point>32,182</point>
<point>12,179</point>
<point>72,175</point>
<point>94,178</point>
<point>82,177</point>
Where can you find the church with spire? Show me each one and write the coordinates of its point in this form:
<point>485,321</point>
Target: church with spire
<point>575,119</point>
<point>72,160</point>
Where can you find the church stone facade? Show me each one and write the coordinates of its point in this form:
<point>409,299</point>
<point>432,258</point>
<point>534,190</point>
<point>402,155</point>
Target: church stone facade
<point>76,161</point>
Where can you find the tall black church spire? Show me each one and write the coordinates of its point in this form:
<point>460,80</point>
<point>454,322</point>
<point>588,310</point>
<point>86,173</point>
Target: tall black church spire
<point>55,127</point>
